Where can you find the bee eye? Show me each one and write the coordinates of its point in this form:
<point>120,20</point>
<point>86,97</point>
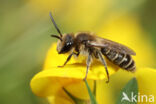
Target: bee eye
<point>69,43</point>
<point>66,47</point>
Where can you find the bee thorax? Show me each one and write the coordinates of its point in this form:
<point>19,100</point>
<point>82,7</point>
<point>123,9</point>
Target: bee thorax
<point>83,50</point>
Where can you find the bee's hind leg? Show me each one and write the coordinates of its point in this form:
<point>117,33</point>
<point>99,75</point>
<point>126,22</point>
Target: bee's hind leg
<point>69,57</point>
<point>104,63</point>
<point>88,62</point>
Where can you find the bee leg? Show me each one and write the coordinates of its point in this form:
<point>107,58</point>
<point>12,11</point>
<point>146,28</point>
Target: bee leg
<point>88,62</point>
<point>69,57</point>
<point>105,65</point>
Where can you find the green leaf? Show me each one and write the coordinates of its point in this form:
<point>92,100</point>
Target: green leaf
<point>129,94</point>
<point>92,98</point>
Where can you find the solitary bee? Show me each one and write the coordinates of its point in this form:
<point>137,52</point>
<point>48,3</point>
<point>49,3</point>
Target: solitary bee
<point>92,46</point>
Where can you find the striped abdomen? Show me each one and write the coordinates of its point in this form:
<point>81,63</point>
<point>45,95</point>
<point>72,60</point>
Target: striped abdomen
<point>125,61</point>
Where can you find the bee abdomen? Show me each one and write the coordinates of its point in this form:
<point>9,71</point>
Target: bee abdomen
<point>124,61</point>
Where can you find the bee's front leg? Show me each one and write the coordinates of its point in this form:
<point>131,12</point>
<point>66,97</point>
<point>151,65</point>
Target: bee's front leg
<point>69,57</point>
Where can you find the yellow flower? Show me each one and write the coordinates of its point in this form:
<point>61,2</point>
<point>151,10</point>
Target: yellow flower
<point>52,81</point>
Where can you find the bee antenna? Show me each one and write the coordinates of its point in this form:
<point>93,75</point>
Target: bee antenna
<point>55,36</point>
<point>52,19</point>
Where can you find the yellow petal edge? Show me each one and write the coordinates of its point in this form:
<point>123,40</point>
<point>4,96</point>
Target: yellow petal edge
<point>50,80</point>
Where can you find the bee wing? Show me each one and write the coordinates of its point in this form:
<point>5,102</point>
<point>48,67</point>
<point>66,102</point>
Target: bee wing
<point>105,43</point>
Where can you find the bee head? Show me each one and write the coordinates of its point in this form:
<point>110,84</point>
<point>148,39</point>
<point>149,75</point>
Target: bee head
<point>65,44</point>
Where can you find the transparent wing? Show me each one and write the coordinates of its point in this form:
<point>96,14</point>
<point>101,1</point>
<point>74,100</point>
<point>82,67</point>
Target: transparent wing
<point>105,43</point>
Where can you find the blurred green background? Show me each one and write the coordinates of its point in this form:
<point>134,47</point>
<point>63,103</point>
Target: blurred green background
<point>25,30</point>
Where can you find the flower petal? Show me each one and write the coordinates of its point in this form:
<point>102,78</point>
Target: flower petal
<point>55,59</point>
<point>53,78</point>
<point>108,91</point>
<point>48,81</point>
<point>60,98</point>
<point>79,89</point>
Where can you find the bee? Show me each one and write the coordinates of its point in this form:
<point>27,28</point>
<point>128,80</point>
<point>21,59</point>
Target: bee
<point>92,46</point>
